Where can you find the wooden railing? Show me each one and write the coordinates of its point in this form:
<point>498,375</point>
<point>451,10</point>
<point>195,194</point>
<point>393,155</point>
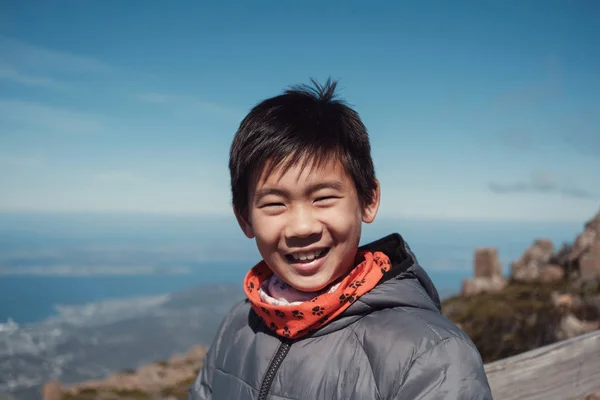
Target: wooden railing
<point>569,369</point>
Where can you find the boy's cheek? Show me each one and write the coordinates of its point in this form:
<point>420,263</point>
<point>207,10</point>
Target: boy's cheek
<point>267,232</point>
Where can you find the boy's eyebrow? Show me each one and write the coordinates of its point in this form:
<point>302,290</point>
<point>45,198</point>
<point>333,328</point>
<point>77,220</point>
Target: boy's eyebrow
<point>335,185</point>
<point>269,191</point>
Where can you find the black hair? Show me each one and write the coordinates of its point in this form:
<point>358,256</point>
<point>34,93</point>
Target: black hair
<point>304,124</point>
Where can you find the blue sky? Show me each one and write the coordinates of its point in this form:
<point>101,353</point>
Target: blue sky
<point>476,109</point>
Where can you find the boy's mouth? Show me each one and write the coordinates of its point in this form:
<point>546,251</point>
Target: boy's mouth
<point>306,257</point>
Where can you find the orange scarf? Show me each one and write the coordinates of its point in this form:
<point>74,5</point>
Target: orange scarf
<point>293,321</point>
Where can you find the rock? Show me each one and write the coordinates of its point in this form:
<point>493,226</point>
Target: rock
<point>589,267</point>
<point>488,273</point>
<point>52,391</point>
<point>561,257</point>
<point>592,396</point>
<point>566,301</point>
<point>522,272</point>
<point>585,240</point>
<point>571,326</point>
<point>167,379</point>
<point>591,308</point>
<point>589,263</point>
<point>551,273</point>
<point>582,243</point>
<point>487,263</point>
<point>483,285</point>
<point>546,300</point>
<point>527,268</point>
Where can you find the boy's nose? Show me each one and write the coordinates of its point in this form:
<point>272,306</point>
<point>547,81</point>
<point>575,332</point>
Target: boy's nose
<point>302,224</point>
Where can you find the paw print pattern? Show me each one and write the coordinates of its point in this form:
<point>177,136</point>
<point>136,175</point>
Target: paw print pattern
<point>357,283</point>
<point>298,314</point>
<point>385,265</point>
<point>350,298</point>
<point>306,319</point>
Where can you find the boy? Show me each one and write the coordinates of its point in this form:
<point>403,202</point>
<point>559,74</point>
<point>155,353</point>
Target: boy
<point>325,319</point>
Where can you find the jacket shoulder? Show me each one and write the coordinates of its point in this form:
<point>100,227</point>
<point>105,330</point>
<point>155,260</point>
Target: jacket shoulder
<point>412,325</point>
<point>394,338</point>
<point>237,317</point>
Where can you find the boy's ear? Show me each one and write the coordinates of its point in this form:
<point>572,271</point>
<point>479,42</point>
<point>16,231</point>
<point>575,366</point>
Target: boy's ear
<point>370,210</point>
<point>244,222</point>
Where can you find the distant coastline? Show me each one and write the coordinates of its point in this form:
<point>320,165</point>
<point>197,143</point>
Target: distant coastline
<point>46,260</point>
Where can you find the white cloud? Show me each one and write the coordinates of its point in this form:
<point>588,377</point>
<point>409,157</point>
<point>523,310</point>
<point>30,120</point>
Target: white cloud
<point>30,116</point>
<point>542,182</point>
<point>35,58</point>
<point>191,105</point>
<point>13,75</point>
<point>35,66</point>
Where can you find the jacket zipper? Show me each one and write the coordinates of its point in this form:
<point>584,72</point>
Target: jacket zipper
<point>282,351</point>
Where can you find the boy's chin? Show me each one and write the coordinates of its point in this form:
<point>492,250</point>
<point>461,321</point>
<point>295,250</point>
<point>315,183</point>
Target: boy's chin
<point>310,285</point>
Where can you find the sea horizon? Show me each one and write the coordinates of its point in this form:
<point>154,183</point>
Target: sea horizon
<point>47,260</point>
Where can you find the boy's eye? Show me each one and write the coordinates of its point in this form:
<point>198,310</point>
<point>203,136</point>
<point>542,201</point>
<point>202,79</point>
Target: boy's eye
<point>272,205</point>
<point>326,198</point>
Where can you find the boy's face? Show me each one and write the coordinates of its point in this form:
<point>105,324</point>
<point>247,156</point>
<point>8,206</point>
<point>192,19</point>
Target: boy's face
<point>307,223</point>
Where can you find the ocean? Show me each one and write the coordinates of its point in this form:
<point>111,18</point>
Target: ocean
<point>48,260</point>
<point>26,299</point>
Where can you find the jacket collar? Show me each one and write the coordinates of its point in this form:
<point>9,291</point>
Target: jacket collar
<point>405,285</point>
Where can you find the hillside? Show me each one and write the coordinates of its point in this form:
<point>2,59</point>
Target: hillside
<point>161,380</point>
<point>551,294</point>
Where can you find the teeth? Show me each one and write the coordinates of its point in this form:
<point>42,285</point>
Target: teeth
<point>307,256</point>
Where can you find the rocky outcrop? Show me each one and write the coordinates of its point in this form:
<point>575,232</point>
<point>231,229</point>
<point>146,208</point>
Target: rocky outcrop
<point>487,263</point>
<point>589,262</point>
<point>548,296</point>
<point>571,326</point>
<point>587,238</point>
<point>161,380</point>
<point>527,268</point>
<point>551,273</point>
<point>585,254</point>
<point>488,273</point>
<point>540,262</point>
<point>483,285</point>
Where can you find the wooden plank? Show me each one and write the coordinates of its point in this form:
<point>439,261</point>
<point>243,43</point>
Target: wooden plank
<point>569,369</point>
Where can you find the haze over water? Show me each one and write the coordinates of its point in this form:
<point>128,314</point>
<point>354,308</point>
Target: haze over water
<point>48,260</point>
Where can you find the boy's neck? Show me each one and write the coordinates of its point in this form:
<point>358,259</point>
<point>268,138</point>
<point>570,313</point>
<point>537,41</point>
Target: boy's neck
<point>277,291</point>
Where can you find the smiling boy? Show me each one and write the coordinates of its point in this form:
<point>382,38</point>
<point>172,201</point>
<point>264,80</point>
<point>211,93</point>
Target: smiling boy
<point>325,318</point>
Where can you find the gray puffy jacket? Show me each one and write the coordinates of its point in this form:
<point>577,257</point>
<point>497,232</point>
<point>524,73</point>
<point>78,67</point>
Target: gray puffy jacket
<point>392,343</point>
